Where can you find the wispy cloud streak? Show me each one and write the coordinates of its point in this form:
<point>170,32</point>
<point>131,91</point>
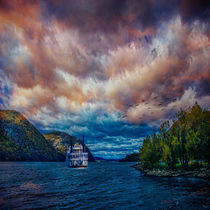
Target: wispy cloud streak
<point>104,68</point>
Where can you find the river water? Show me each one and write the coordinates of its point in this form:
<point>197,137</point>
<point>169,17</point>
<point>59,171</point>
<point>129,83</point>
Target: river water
<point>104,185</point>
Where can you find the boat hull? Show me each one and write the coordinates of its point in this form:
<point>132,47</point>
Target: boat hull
<point>77,166</point>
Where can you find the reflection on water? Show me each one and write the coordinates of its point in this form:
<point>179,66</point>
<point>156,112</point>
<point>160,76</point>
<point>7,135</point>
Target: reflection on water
<point>25,185</point>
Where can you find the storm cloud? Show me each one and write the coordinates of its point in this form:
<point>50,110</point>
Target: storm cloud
<point>111,70</point>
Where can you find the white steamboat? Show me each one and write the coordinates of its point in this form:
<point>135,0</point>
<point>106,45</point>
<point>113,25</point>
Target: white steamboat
<point>76,156</point>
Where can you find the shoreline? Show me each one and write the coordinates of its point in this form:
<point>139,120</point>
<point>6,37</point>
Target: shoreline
<point>203,172</point>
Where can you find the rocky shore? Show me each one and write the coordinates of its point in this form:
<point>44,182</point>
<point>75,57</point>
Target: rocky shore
<point>203,172</point>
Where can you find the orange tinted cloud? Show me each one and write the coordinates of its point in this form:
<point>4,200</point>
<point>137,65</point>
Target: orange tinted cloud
<point>54,65</point>
<point>139,34</point>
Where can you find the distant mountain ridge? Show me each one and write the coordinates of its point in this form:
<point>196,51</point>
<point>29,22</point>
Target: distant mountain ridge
<point>104,159</point>
<point>133,157</point>
<point>61,141</point>
<point>21,141</point>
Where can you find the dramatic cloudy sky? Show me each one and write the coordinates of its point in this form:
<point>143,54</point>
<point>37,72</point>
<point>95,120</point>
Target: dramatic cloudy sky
<point>111,70</point>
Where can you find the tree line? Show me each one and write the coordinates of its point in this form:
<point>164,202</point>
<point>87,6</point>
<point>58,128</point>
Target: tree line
<point>180,142</point>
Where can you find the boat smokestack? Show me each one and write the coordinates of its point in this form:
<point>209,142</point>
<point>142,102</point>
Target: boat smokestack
<point>71,146</point>
<point>83,144</point>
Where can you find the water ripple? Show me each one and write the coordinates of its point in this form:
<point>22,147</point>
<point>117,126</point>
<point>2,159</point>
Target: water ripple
<point>106,185</point>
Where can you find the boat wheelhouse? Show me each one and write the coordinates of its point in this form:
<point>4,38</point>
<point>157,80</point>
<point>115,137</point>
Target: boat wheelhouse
<point>76,155</point>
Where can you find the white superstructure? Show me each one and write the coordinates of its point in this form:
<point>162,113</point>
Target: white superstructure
<point>76,156</point>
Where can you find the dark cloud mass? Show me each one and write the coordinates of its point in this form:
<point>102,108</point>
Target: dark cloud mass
<point>195,9</point>
<point>110,16</point>
<point>111,70</point>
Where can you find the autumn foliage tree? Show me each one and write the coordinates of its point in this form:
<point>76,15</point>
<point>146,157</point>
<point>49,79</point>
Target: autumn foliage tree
<point>186,140</point>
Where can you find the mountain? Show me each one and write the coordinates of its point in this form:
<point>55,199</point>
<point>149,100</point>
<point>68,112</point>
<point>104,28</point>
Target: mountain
<point>134,157</point>
<point>20,140</point>
<point>61,141</point>
<point>103,159</point>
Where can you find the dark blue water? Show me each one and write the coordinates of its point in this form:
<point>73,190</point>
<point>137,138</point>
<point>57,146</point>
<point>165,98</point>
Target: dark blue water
<point>105,185</point>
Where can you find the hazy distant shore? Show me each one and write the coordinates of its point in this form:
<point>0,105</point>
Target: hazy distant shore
<point>203,172</point>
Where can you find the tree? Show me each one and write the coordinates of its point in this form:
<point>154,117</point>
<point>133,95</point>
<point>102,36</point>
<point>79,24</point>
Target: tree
<point>148,155</point>
<point>187,139</point>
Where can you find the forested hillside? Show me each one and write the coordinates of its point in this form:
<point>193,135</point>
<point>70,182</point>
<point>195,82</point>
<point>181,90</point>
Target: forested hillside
<point>20,140</point>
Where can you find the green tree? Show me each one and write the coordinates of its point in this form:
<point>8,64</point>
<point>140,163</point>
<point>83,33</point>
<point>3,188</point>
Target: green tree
<point>148,155</point>
<point>187,139</point>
